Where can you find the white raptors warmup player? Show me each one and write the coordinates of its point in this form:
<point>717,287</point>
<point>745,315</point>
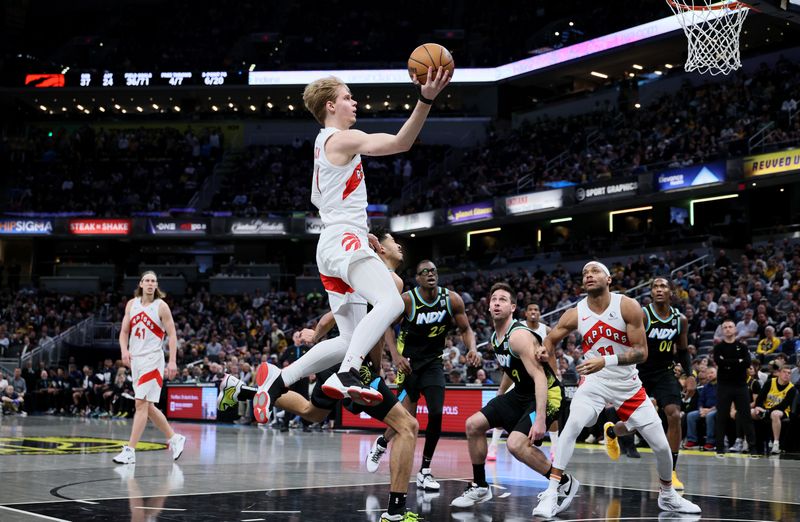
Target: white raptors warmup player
<point>347,265</point>
<point>147,319</point>
<point>612,329</point>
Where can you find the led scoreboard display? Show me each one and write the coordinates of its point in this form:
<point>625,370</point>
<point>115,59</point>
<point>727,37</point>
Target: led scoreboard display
<point>135,79</point>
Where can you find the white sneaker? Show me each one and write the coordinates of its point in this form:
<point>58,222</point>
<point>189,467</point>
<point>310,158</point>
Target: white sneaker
<point>374,456</point>
<point>590,439</point>
<point>776,448</point>
<point>737,446</point>
<point>426,481</point>
<point>491,454</point>
<point>547,507</point>
<point>568,490</point>
<point>473,495</point>
<point>176,445</point>
<point>670,501</point>
<point>126,456</point>
<point>228,392</point>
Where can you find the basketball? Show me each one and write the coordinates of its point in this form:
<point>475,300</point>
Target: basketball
<point>429,55</point>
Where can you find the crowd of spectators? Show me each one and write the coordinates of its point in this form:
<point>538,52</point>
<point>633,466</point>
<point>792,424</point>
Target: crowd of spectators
<point>277,178</point>
<point>694,124</point>
<point>758,289</point>
<point>107,171</point>
<point>231,35</point>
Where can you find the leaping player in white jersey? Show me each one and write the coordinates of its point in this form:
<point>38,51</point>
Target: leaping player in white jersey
<point>351,271</point>
<point>147,320</point>
<point>612,329</point>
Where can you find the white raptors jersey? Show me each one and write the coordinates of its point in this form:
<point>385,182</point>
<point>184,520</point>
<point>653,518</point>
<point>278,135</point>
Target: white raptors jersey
<point>147,331</point>
<point>605,334</point>
<point>340,193</point>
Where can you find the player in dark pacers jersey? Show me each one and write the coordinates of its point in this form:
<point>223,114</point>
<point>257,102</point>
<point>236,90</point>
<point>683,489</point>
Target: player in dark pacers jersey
<point>429,309</point>
<point>666,331</point>
<point>524,411</point>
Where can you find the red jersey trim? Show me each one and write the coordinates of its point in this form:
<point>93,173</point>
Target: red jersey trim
<point>353,182</point>
<point>151,325</point>
<point>628,407</point>
<point>336,285</point>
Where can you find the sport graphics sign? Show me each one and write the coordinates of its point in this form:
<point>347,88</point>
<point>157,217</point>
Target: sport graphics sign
<point>31,227</point>
<point>470,213</point>
<point>772,163</point>
<point>605,191</point>
<point>535,201</point>
<point>688,177</point>
<point>177,227</point>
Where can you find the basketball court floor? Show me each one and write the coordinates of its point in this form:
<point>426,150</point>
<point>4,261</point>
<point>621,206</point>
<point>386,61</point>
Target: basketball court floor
<point>54,468</point>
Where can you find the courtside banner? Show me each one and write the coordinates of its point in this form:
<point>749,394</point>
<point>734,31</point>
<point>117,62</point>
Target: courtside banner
<point>535,201</point>
<point>100,227</point>
<point>177,227</point>
<point>314,225</point>
<point>470,213</point>
<point>190,402</point>
<point>257,227</point>
<point>772,163</point>
<point>689,177</point>
<point>459,405</point>
<point>408,222</point>
<point>604,191</point>
<point>26,227</point>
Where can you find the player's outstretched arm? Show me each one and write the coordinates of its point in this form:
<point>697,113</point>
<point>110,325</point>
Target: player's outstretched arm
<point>566,324</point>
<point>524,344</point>
<point>351,142</point>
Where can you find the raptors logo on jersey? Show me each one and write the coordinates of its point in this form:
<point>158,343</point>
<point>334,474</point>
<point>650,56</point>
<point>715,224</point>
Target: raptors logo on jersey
<point>350,242</point>
<point>338,191</point>
<point>147,330</point>
<point>605,334</point>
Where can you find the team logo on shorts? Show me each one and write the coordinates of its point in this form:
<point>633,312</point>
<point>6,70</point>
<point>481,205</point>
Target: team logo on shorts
<point>350,242</point>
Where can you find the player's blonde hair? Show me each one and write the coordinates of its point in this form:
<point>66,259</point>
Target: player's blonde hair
<point>320,92</point>
<point>139,292</point>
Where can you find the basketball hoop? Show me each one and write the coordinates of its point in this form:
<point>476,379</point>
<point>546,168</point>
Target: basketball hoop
<point>713,29</point>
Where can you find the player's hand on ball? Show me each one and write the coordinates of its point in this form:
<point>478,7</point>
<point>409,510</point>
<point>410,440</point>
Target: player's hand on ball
<point>590,366</point>
<point>437,80</point>
<point>307,336</point>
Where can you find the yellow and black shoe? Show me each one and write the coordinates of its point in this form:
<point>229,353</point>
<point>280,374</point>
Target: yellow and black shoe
<point>677,484</point>
<point>612,443</point>
<point>408,516</point>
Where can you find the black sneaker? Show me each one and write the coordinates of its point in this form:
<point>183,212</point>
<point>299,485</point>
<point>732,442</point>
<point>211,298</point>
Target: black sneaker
<point>348,384</point>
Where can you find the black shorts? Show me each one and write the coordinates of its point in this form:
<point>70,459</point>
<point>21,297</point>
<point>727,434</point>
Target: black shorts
<point>430,375</point>
<point>378,411</point>
<point>663,387</point>
<point>512,411</point>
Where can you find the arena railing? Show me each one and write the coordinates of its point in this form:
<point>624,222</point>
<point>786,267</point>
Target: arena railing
<point>640,291</point>
<point>53,351</point>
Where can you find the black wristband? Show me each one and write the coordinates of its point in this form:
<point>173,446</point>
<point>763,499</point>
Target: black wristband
<point>422,98</point>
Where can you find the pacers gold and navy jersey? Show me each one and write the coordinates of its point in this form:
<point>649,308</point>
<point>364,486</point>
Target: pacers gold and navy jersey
<point>662,336</point>
<point>422,333</point>
<point>514,367</point>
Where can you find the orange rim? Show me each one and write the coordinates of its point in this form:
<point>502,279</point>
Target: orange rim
<point>714,7</point>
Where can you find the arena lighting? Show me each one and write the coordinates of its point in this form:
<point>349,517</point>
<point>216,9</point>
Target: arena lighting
<point>42,107</point>
<point>176,109</point>
<point>80,107</point>
<point>253,108</point>
<point>637,105</point>
<point>637,67</point>
<point>626,211</point>
<point>406,106</point>
<point>214,108</point>
<point>291,107</point>
<point>705,200</point>
<point>538,236</point>
<point>86,111</point>
<point>476,232</point>
<point>368,106</point>
<point>101,109</point>
<point>413,235</point>
<point>599,74</point>
<point>139,109</point>
<point>155,106</point>
<point>668,65</point>
<point>489,74</point>
<point>269,105</point>
<point>116,106</point>
<point>560,220</point>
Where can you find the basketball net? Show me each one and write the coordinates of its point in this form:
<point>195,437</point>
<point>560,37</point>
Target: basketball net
<point>713,29</point>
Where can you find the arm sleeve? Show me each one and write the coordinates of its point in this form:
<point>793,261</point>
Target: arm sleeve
<point>685,361</point>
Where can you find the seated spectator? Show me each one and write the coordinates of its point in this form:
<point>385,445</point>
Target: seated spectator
<point>707,409</point>
<point>747,327</point>
<point>768,345</point>
<point>773,403</point>
<point>455,377</point>
<point>122,402</point>
<point>13,402</point>
<point>790,346</point>
<point>482,379</point>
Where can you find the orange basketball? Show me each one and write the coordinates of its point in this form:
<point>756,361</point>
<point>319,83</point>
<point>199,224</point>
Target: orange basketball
<point>429,55</point>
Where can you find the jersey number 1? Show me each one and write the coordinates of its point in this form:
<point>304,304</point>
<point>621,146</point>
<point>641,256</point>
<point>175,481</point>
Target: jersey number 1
<point>606,350</point>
